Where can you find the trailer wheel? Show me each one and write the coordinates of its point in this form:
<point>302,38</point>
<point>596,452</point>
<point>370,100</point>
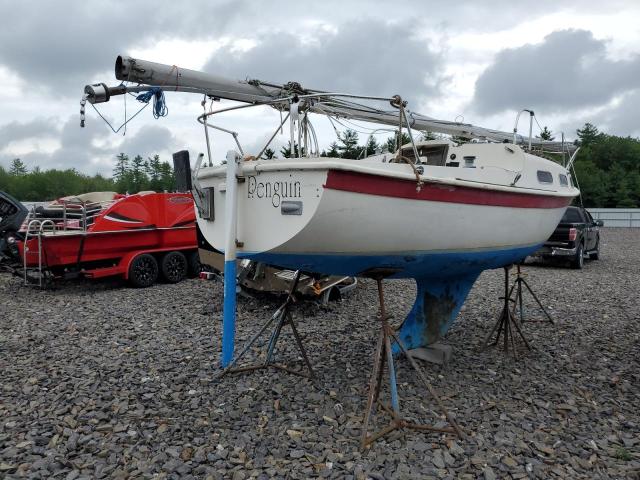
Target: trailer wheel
<point>143,271</point>
<point>193,264</point>
<point>174,267</point>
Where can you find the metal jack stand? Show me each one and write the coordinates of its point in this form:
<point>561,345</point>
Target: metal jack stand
<point>283,317</point>
<point>517,286</point>
<point>506,322</point>
<point>383,353</point>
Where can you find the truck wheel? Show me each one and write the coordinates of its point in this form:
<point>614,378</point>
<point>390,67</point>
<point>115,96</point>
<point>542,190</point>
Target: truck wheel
<point>174,267</point>
<point>193,264</point>
<point>595,255</point>
<point>578,261</point>
<point>143,271</point>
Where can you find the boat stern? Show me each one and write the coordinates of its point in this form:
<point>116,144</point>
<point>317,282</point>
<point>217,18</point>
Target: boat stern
<point>276,204</point>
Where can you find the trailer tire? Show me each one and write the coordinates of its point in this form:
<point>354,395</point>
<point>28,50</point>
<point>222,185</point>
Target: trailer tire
<point>174,267</point>
<point>143,271</point>
<point>194,266</point>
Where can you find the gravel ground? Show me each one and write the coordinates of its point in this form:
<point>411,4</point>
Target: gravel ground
<point>104,381</point>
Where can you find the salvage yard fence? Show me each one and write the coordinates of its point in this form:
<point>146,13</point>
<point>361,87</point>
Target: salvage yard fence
<point>617,217</point>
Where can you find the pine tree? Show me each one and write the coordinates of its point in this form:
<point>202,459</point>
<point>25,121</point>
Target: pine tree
<point>286,151</point>
<point>392,142</point>
<point>333,151</point>
<point>154,172</point>
<point>593,182</point>
<point>138,174</point>
<point>18,168</point>
<point>166,177</point>
<point>269,154</point>
<point>348,146</point>
<point>546,134</point>
<point>121,168</point>
<point>588,134</point>
<point>372,146</point>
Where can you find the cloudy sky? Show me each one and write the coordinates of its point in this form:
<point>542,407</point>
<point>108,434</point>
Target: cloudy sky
<point>571,61</point>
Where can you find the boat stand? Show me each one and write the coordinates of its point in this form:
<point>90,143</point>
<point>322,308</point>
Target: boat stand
<point>506,323</point>
<point>282,317</point>
<point>517,287</point>
<point>384,354</point>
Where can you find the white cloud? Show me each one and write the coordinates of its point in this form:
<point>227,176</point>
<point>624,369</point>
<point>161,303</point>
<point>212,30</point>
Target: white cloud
<point>444,56</point>
<point>569,69</point>
<point>368,56</point>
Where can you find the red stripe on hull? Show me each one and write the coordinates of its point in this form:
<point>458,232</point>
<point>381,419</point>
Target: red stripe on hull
<point>399,188</point>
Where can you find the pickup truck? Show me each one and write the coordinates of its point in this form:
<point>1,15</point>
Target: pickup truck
<point>577,236</point>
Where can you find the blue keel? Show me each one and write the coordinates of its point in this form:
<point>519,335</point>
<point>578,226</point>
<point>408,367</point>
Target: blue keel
<point>437,304</point>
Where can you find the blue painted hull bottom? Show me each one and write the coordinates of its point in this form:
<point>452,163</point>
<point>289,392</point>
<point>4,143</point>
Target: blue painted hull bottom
<point>443,280</point>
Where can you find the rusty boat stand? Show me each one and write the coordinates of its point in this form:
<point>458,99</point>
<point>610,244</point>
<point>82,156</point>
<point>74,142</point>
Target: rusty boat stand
<point>507,325</point>
<point>282,317</point>
<point>518,303</point>
<point>384,355</point>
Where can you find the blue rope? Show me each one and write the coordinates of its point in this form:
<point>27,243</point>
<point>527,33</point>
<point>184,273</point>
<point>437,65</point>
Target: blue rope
<point>160,108</point>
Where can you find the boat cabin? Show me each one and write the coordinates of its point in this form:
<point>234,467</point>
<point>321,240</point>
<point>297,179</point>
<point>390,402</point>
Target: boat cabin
<point>430,152</point>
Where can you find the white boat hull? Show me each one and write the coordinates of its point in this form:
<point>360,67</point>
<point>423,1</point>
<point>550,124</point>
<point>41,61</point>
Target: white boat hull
<point>359,221</point>
<point>347,223</point>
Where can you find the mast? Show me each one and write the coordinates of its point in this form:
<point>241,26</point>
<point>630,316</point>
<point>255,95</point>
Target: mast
<point>354,107</point>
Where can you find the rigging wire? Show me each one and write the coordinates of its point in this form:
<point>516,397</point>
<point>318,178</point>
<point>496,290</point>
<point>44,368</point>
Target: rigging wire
<point>575,177</point>
<point>370,132</point>
<point>537,123</point>
<point>160,108</point>
<point>125,114</point>
<point>333,118</point>
<point>114,130</point>
<point>364,130</point>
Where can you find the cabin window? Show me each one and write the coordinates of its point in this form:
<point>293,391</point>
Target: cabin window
<point>469,161</point>
<point>563,180</point>
<point>208,207</point>
<point>544,176</point>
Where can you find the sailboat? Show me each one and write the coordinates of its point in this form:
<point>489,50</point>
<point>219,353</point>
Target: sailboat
<point>437,211</point>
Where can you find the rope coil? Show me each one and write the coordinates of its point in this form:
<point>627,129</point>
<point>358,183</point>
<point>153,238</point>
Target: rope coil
<point>160,108</point>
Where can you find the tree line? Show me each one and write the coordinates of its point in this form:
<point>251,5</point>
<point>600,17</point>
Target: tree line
<point>138,174</point>
<point>347,146</point>
<point>607,169</point>
<point>129,175</point>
